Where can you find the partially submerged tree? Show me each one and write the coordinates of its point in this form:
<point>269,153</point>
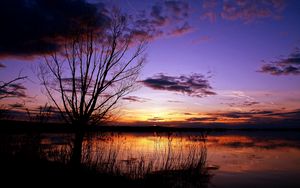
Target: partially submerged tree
<point>93,71</point>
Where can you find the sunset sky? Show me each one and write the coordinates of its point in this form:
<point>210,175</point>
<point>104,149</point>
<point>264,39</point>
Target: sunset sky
<point>231,61</point>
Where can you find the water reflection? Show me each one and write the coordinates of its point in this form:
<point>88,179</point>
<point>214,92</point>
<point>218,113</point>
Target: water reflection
<point>133,155</point>
<point>255,159</point>
<point>234,159</point>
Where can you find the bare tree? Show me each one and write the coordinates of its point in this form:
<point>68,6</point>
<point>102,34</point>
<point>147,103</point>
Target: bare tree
<point>93,71</point>
<point>12,88</point>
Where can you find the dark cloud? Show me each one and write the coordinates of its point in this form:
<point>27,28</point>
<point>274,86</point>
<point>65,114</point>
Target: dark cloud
<point>187,113</point>
<point>2,65</point>
<point>257,116</point>
<point>193,85</point>
<point>199,119</point>
<point>246,11</point>
<point>169,12</point>
<point>157,14</point>
<point>69,81</point>
<point>67,84</point>
<point>250,103</point>
<point>45,108</point>
<point>17,86</point>
<point>38,26</point>
<point>164,19</point>
<point>174,101</point>
<point>284,66</point>
<point>155,119</point>
<point>295,114</point>
<point>17,105</point>
<point>135,99</point>
<point>242,104</point>
<point>279,70</point>
<point>245,114</point>
<point>250,10</point>
<point>178,9</point>
<point>12,90</point>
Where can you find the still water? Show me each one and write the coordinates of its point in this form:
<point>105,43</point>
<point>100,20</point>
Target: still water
<point>232,158</point>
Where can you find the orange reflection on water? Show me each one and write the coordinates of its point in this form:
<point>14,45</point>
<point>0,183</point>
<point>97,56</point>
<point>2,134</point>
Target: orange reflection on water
<point>240,154</point>
<point>232,153</point>
<point>265,155</point>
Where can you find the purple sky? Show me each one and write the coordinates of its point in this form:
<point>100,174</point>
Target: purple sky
<point>246,51</point>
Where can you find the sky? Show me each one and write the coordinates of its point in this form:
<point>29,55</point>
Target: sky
<point>227,62</point>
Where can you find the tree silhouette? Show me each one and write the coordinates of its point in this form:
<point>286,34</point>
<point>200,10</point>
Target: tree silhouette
<point>93,71</point>
<point>12,88</point>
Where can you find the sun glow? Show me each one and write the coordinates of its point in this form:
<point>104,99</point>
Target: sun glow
<point>155,114</point>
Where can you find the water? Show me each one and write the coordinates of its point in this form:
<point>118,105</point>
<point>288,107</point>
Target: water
<point>232,158</point>
<point>255,159</point>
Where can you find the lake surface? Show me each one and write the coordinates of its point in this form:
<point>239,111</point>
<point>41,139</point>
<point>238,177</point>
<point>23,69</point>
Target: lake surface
<point>233,158</point>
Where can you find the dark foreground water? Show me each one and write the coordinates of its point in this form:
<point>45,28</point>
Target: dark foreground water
<point>231,158</point>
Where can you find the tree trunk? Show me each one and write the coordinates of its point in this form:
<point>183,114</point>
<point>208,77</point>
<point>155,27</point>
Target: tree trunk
<point>77,149</point>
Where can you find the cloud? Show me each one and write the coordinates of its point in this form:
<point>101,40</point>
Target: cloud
<point>178,9</point>
<point>249,11</point>
<point>199,119</point>
<point>250,103</point>
<point>246,11</point>
<point>147,35</point>
<point>284,66</point>
<point>2,65</point>
<point>242,104</point>
<point>12,90</point>
<point>155,119</point>
<point>275,70</point>
<point>17,105</point>
<point>182,30</point>
<point>295,114</point>
<point>209,4</point>
<point>168,12</point>
<point>67,84</point>
<point>157,14</point>
<point>168,18</point>
<point>38,26</point>
<point>257,116</point>
<point>45,108</point>
<point>249,114</point>
<point>209,7</point>
<point>174,101</point>
<point>195,85</point>
<point>135,99</point>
